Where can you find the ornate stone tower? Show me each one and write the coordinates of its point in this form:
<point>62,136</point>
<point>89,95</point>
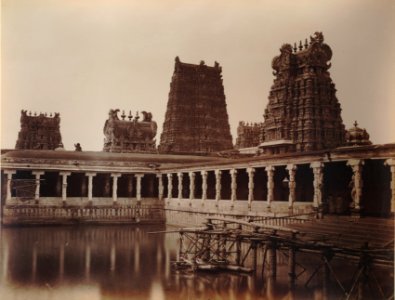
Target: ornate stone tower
<point>196,119</point>
<point>303,113</point>
<point>39,132</point>
<point>248,134</point>
<point>129,135</point>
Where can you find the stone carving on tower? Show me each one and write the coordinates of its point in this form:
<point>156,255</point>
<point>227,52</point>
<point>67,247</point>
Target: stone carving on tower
<point>356,136</point>
<point>303,113</point>
<point>39,131</point>
<point>248,134</point>
<point>196,119</point>
<point>129,135</point>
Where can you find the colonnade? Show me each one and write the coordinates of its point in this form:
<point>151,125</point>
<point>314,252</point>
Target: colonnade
<point>64,176</point>
<point>291,183</point>
<point>317,168</point>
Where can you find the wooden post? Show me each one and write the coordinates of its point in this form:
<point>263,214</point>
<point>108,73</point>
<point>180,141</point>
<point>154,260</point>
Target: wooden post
<point>254,254</point>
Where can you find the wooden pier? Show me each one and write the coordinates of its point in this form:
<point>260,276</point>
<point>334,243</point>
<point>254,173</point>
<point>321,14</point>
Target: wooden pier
<point>228,244</point>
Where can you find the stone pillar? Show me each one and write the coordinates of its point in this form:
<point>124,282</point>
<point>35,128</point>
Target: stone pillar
<point>317,183</point>
<point>191,185</point>
<point>160,186</point>
<point>90,186</point>
<point>292,184</point>
<point>115,187</point>
<point>250,172</point>
<point>9,174</point>
<point>233,186</point>
<point>270,185</point>
<point>37,191</point>
<point>391,163</point>
<point>204,186</point>
<point>356,183</point>
<point>64,185</point>
<point>179,176</point>
<point>169,186</point>
<point>217,185</point>
<point>138,186</point>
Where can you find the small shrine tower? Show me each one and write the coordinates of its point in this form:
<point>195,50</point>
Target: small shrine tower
<point>41,132</point>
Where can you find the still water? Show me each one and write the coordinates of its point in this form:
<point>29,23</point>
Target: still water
<point>126,262</point>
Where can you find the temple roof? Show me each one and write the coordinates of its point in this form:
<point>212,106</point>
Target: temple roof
<point>97,160</point>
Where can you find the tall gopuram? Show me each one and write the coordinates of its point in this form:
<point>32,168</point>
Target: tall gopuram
<point>303,113</point>
<point>196,119</point>
<point>39,131</point>
<point>129,134</point>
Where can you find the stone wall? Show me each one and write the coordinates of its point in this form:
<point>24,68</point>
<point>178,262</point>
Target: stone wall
<point>50,211</point>
<point>185,212</point>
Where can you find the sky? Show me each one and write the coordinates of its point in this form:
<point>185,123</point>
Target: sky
<point>83,57</point>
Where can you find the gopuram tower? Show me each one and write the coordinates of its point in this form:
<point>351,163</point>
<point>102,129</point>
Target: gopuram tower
<point>303,113</point>
<point>40,132</point>
<point>196,119</point>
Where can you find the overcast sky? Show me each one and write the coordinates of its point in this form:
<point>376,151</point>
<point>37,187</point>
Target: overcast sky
<point>83,57</point>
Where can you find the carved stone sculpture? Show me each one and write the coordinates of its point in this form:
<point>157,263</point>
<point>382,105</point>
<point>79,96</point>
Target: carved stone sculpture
<point>129,135</point>
<point>41,132</point>
<point>248,134</point>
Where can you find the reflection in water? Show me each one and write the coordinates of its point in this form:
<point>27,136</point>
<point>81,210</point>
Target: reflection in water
<point>119,262</point>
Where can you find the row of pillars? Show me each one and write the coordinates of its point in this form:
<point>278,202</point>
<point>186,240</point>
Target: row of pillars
<point>355,164</point>
<point>64,175</point>
<point>317,167</point>
<point>291,168</point>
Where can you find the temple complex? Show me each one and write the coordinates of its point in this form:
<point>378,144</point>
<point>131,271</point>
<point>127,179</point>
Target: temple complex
<point>310,163</point>
<point>39,131</point>
<point>129,135</point>
<point>196,119</point>
<point>303,113</point>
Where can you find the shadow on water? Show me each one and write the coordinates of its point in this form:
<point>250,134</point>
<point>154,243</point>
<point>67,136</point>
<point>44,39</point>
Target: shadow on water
<point>124,262</point>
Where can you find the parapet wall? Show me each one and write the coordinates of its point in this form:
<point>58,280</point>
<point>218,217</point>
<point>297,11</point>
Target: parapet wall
<point>144,212</point>
<point>186,212</point>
